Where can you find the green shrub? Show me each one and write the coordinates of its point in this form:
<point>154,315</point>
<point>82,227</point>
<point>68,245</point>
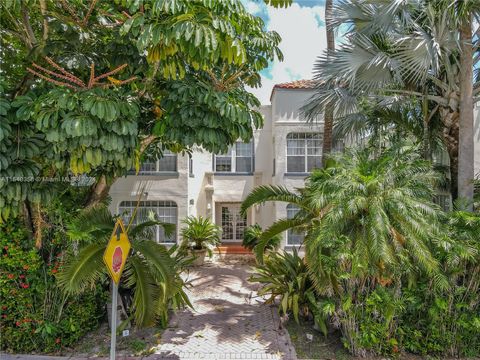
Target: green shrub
<point>447,321</point>
<point>36,315</point>
<point>441,324</point>
<point>369,322</point>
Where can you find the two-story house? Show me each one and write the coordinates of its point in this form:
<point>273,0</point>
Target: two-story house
<point>283,152</point>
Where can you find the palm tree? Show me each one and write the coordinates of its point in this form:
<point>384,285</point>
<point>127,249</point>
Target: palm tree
<point>152,272</point>
<point>401,49</point>
<point>367,221</point>
<point>328,117</point>
<point>462,12</point>
<point>382,206</point>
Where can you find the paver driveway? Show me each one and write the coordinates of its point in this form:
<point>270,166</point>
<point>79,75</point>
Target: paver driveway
<point>227,322</point>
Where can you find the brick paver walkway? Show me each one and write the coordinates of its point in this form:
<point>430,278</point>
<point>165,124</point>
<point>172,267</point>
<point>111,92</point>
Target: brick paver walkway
<point>227,322</point>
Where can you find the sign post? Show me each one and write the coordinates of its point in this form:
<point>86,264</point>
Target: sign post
<point>115,257</point>
<point>113,331</point>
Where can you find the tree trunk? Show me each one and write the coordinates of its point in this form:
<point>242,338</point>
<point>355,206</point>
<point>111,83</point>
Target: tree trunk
<point>450,136</point>
<point>328,116</point>
<point>426,130</point>
<point>38,225</point>
<point>466,142</point>
<point>98,192</point>
<point>27,217</point>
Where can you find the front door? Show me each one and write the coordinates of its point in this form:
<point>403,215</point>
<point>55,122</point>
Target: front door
<point>233,224</point>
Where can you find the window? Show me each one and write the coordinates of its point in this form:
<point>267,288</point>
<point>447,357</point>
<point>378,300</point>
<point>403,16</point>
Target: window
<point>304,152</point>
<point>167,163</point>
<point>294,237</point>
<point>238,159</point>
<point>190,165</point>
<point>165,211</point>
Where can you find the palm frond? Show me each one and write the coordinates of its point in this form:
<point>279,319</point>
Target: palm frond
<point>275,229</point>
<point>161,264</point>
<point>83,270</point>
<point>145,291</point>
<point>91,224</point>
<point>265,193</point>
<point>144,229</point>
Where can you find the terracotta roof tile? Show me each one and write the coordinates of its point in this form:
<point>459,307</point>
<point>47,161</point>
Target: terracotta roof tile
<point>298,84</point>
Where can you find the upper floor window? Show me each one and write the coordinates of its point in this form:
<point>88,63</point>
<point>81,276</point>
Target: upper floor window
<point>304,152</point>
<point>164,211</point>
<point>238,159</point>
<point>294,237</point>
<point>167,163</point>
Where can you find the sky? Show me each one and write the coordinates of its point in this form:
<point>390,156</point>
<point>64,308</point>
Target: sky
<point>302,29</point>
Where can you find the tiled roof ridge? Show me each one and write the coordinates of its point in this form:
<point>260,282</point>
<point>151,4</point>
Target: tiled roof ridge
<point>297,84</point>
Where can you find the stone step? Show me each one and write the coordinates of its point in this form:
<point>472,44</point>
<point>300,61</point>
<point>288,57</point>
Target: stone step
<point>232,249</point>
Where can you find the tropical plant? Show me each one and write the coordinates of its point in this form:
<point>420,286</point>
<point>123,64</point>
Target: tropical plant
<point>397,50</point>
<point>152,273</point>
<point>200,234</point>
<point>367,220</point>
<point>252,237</point>
<point>446,321</point>
<point>284,277</point>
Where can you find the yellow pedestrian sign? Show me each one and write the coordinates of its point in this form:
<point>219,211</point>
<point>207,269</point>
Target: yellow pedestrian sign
<point>117,250</point>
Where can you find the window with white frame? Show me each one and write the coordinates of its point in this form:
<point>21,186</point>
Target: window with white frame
<point>164,211</point>
<point>167,163</point>
<point>238,159</point>
<point>304,152</point>
<point>294,237</point>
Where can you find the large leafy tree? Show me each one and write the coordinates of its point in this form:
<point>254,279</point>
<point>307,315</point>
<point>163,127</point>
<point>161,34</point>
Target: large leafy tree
<point>91,87</point>
<point>395,50</point>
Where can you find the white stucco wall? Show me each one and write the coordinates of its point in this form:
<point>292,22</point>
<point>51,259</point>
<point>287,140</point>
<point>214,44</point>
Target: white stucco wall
<point>286,119</point>
<point>202,162</point>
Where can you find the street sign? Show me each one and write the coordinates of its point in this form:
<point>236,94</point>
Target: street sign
<point>117,250</point>
<point>115,257</point>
